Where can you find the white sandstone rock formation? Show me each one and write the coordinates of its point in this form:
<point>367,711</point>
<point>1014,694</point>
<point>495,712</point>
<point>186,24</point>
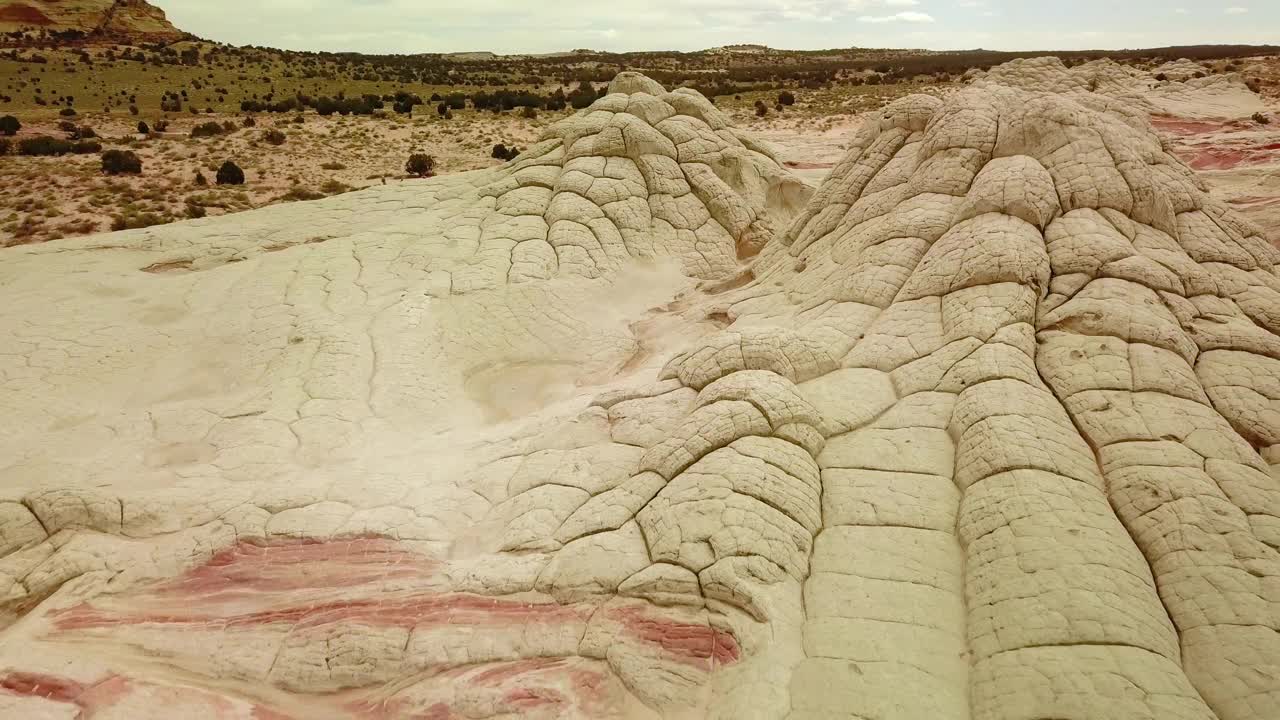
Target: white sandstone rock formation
<point>987,428</point>
<point>1182,95</point>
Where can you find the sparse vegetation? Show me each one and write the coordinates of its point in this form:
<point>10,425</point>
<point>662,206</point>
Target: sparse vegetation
<point>44,146</point>
<point>116,162</point>
<point>1261,119</point>
<point>345,116</point>
<point>420,165</point>
<point>502,152</point>
<point>274,137</point>
<point>207,129</point>
<point>230,174</point>
<point>297,192</point>
<point>9,125</point>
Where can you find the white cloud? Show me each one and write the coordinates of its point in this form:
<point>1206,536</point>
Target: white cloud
<point>1181,11</point>
<point>1236,10</point>
<point>907,16</point>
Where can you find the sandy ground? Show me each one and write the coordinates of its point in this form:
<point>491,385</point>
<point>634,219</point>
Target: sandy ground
<point>45,198</point>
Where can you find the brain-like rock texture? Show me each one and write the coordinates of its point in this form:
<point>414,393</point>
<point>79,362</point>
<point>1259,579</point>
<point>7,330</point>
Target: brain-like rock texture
<point>1171,89</point>
<point>987,427</point>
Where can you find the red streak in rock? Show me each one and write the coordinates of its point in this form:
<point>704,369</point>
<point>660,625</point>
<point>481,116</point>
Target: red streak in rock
<point>1186,127</point>
<point>391,611</point>
<point>506,671</point>
<point>23,15</point>
<point>1218,159</point>
<point>89,698</point>
<point>528,698</point>
<point>105,694</point>
<point>48,687</point>
<point>261,713</point>
<point>283,565</point>
<point>439,711</point>
<point>695,643</point>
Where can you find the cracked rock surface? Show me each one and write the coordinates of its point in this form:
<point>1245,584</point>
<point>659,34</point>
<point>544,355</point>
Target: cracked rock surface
<point>640,426</point>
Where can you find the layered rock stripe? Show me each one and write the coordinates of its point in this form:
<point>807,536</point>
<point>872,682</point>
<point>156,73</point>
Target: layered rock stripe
<point>133,20</point>
<point>988,426</point>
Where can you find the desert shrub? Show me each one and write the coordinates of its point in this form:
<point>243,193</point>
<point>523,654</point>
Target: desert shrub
<point>43,146</point>
<point>9,125</point>
<point>86,147</point>
<point>529,113</point>
<point>137,221</point>
<point>297,192</point>
<point>229,127</point>
<point>333,187</point>
<point>5,146</point>
<point>1162,77</point>
<point>230,174</point>
<point>143,128</point>
<point>499,152</point>
<point>116,162</point>
<point>274,137</point>
<point>66,126</point>
<point>1261,119</point>
<point>67,112</point>
<point>786,98</point>
<point>161,125</point>
<point>194,210</point>
<point>420,165</point>
<point>583,96</point>
<point>874,79</point>
<point>208,129</point>
<point>761,108</point>
<point>1255,85</point>
<point>333,166</point>
<point>249,122</point>
<point>201,180</point>
<point>133,109</point>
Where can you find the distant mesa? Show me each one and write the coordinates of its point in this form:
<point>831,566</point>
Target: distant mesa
<point>741,49</point>
<point>471,56</point>
<point>130,20</point>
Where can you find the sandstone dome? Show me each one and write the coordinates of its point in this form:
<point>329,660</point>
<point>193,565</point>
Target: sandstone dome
<point>1106,81</point>
<point>638,426</point>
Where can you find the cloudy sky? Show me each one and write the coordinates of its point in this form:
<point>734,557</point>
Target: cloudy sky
<point>520,26</point>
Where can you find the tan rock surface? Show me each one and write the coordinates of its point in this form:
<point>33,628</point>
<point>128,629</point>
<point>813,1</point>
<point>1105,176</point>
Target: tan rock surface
<point>134,20</point>
<point>638,426</point>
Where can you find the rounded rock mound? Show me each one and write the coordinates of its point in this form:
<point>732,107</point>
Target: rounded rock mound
<point>1181,88</point>
<point>987,429</point>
